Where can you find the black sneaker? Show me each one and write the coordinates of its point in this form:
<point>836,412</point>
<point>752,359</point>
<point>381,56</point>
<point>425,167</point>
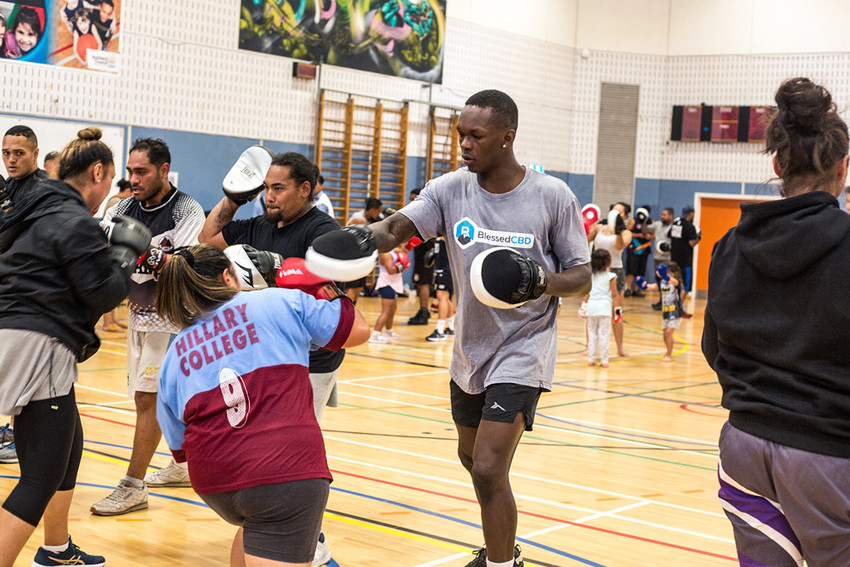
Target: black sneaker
<point>421,318</point>
<point>481,558</point>
<point>436,336</point>
<point>657,306</point>
<point>449,332</point>
<point>71,556</point>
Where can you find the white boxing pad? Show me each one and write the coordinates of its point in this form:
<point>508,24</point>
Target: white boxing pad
<point>476,279</point>
<point>249,171</point>
<point>338,269</point>
<point>247,274</point>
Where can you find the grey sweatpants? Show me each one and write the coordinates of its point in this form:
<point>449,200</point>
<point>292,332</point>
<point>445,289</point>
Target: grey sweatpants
<point>785,504</point>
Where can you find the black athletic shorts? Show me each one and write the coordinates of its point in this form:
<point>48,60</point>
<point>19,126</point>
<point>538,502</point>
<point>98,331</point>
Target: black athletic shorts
<point>281,521</point>
<point>443,280</point>
<point>421,274</point>
<point>499,402</point>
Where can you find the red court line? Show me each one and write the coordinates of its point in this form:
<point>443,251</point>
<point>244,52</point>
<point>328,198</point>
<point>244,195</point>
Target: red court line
<point>688,409</point>
<point>108,420</point>
<point>545,517</point>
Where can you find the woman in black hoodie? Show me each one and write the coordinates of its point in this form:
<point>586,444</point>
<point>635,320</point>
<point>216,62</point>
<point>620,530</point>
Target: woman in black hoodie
<point>58,274</point>
<point>775,332</point>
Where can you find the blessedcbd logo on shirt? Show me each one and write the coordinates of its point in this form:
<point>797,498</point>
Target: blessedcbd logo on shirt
<point>467,233</point>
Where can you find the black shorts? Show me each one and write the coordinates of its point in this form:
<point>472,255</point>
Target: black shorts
<point>281,521</point>
<point>499,402</point>
<point>443,280</point>
<point>636,263</point>
<point>421,274</point>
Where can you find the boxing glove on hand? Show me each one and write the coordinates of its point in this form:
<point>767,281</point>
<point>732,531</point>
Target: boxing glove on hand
<point>640,282</point>
<point>590,214</point>
<point>128,239</point>
<point>413,243</point>
<point>267,263</point>
<point>293,274</point>
<point>403,261</point>
<point>429,258</point>
<point>247,272</point>
<point>152,259</point>
<point>662,247</point>
<point>245,179</point>
<point>343,255</point>
<point>662,272</point>
<point>618,314</point>
<point>504,279</point>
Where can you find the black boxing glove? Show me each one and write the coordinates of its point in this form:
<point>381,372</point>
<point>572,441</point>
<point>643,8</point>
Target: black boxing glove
<point>128,239</point>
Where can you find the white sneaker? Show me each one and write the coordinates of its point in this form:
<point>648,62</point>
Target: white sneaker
<point>323,552</point>
<point>125,498</point>
<point>172,475</point>
<point>390,334</point>
<point>378,338</point>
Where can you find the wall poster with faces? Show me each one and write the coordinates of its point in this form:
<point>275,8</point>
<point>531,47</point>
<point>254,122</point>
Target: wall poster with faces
<point>81,34</point>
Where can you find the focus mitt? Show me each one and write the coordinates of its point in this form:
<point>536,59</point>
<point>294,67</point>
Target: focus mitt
<point>343,255</point>
<point>590,215</point>
<point>245,179</point>
<point>504,279</point>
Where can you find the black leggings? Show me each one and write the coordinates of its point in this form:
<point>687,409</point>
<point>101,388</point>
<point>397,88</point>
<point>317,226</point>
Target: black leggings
<point>49,443</point>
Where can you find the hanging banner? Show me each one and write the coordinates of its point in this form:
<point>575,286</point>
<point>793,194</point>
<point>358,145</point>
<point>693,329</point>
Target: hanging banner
<point>81,34</point>
<point>403,38</point>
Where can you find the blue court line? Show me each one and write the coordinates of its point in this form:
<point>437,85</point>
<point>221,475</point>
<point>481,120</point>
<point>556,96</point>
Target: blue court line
<point>470,524</point>
<point>626,434</point>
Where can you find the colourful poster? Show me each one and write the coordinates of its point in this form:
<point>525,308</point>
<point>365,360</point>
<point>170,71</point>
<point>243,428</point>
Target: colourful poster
<point>81,34</point>
<point>404,38</point>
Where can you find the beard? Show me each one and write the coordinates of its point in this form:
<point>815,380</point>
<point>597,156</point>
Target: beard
<point>273,218</point>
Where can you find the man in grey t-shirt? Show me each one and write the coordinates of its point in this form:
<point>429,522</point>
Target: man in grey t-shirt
<point>503,358</point>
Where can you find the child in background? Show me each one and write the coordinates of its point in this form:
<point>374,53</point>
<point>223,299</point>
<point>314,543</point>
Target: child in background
<point>671,287</point>
<point>389,285</point>
<point>601,301</point>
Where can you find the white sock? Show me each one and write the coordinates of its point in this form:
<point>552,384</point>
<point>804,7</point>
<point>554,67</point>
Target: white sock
<point>57,548</point>
<point>388,332</point>
<point>376,334</point>
<point>441,325</point>
<point>505,564</point>
<point>134,482</point>
<point>451,322</point>
<point>184,465</point>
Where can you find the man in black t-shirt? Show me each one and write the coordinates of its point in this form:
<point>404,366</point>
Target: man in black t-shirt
<point>684,236</point>
<point>288,227</point>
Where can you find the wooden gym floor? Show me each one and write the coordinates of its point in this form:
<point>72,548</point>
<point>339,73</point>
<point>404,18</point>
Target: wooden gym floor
<point>619,470</point>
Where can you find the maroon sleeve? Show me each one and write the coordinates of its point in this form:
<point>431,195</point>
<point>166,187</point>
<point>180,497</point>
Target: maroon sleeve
<point>346,321</point>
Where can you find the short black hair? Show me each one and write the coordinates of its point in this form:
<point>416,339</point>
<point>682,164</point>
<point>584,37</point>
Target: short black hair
<point>502,107</point>
<point>50,156</point>
<point>301,169</point>
<point>415,190</point>
<point>25,131</point>
<point>156,149</point>
<point>123,184</point>
<point>373,203</point>
<point>320,179</point>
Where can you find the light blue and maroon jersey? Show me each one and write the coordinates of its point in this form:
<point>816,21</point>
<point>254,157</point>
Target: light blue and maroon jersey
<point>235,399</point>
